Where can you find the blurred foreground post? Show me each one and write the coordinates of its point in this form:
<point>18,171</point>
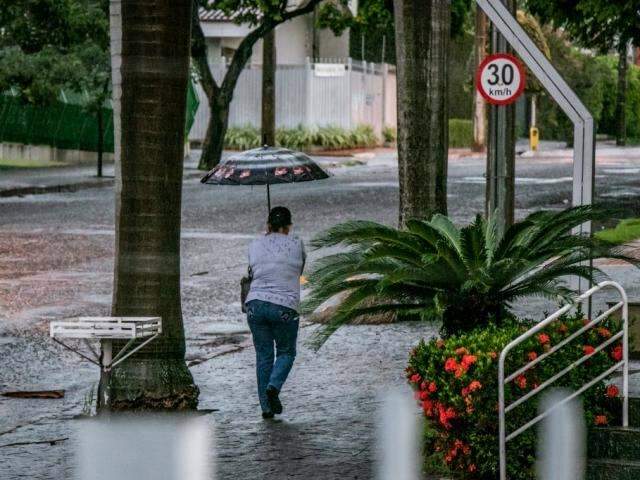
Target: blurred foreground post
<point>150,43</point>
<point>398,439</point>
<point>561,439</point>
<point>159,447</point>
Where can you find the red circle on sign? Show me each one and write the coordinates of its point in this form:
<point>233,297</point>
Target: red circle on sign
<point>521,71</point>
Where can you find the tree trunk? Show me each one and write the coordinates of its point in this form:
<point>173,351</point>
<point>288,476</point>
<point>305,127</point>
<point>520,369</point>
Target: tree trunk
<point>100,141</point>
<point>269,63</point>
<point>422,36</point>
<point>153,76</point>
<point>621,97</point>
<point>216,130</point>
<point>479,105</point>
<point>501,150</point>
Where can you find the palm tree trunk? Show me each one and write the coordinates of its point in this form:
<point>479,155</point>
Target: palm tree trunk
<point>621,97</point>
<point>269,89</point>
<point>150,95</point>
<point>479,105</point>
<point>422,37</point>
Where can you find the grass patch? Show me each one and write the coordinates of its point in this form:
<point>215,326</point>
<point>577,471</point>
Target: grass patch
<point>460,133</point>
<point>6,164</point>
<point>626,231</point>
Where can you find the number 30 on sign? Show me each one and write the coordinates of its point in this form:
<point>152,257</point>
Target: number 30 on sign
<point>500,79</point>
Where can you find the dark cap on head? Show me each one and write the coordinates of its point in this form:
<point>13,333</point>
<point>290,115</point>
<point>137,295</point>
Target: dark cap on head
<point>279,217</point>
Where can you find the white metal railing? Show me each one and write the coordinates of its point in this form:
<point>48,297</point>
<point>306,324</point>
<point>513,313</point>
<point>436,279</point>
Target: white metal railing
<point>504,437</point>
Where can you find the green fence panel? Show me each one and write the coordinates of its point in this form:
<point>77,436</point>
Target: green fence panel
<point>66,123</point>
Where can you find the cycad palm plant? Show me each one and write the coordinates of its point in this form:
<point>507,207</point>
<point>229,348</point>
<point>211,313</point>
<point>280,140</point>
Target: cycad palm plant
<point>463,277</point>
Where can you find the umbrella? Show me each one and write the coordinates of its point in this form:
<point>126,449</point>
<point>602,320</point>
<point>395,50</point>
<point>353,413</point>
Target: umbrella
<point>265,166</point>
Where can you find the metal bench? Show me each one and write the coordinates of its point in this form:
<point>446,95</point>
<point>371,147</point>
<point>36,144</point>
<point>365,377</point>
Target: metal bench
<point>106,329</point>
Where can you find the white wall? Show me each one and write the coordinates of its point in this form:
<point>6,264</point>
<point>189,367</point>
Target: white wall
<point>364,94</point>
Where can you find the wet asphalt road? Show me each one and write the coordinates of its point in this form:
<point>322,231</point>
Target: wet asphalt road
<point>56,260</point>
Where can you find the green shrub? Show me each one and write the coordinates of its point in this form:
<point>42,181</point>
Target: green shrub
<point>455,382</point>
<point>460,133</point>
<point>298,138</point>
<point>626,231</point>
<point>389,134</point>
<point>242,138</point>
<point>301,138</point>
<point>463,277</point>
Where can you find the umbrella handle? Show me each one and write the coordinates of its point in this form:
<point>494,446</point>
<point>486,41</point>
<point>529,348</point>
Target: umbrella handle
<point>268,198</point>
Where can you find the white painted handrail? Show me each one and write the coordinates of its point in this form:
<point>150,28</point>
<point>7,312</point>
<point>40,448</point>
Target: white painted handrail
<point>503,409</point>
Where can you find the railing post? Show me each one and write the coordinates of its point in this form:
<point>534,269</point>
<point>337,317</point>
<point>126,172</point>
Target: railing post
<point>625,357</point>
<point>502,442</point>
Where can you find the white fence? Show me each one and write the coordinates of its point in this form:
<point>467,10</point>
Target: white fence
<point>314,94</point>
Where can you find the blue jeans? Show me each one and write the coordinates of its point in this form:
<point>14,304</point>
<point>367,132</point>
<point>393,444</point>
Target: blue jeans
<point>272,326</point>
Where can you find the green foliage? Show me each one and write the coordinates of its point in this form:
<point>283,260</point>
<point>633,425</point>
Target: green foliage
<point>389,134</point>
<point>463,277</point>
<point>374,22</point>
<point>626,231</point>
<point>455,382</point>
<point>601,24</point>
<point>242,138</point>
<point>51,45</point>
<point>301,138</point>
<point>594,79</point>
<point>460,133</point>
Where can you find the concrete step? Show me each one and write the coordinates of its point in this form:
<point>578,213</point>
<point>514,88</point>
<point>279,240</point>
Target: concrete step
<point>605,469</point>
<point>614,443</point>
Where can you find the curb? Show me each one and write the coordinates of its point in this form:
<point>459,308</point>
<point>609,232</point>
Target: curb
<point>42,189</point>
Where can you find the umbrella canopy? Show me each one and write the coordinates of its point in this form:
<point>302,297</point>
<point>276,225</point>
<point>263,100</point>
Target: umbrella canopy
<point>265,166</point>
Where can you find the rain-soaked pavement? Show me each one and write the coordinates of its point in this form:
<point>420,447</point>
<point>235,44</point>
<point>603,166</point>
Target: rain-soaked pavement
<point>56,254</point>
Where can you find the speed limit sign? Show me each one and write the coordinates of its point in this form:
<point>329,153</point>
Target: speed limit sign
<point>500,79</point>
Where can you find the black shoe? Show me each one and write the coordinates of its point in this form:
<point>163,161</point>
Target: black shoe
<point>267,415</point>
<point>274,400</point>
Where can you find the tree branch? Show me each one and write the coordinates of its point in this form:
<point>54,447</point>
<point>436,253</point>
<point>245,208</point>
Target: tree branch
<point>199,55</point>
<point>245,49</point>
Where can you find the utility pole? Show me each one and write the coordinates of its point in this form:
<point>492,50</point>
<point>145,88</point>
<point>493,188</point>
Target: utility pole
<point>501,150</point>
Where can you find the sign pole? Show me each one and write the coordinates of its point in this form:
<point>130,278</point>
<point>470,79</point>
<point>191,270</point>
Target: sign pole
<point>500,189</point>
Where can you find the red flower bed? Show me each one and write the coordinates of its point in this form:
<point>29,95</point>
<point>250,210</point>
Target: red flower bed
<point>456,388</point>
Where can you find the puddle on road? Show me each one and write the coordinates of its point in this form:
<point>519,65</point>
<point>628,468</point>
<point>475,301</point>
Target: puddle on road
<point>519,180</point>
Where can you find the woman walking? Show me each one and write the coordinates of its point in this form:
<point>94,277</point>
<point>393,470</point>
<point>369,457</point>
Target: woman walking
<point>276,261</point>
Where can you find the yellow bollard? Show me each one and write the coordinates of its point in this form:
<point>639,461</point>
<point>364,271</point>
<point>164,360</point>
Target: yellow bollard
<point>533,138</point>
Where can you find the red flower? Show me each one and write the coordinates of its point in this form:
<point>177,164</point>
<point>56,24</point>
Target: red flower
<point>543,338</point>
<point>424,395</point>
<point>601,420</point>
<point>423,386</point>
<point>521,381</point>
<point>532,356</point>
<point>415,378</point>
<point>465,391</point>
<point>603,332</point>
<point>588,349</point>
<point>468,360</point>
<point>446,414</point>
<point>472,468</point>
<point>427,407</point>
<point>475,385</point>
<point>432,387</point>
<point>451,365</point>
<point>616,354</point>
<point>612,391</point>
<point>461,370</point>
